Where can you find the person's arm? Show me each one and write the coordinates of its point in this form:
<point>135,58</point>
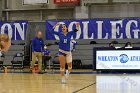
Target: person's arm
<point>33,47</point>
<point>42,46</point>
<point>76,29</point>
<point>77,26</point>
<point>54,32</point>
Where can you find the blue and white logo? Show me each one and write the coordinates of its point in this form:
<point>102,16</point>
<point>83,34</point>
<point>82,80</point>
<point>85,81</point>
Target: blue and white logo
<point>123,58</point>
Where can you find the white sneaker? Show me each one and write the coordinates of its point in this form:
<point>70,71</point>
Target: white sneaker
<point>67,74</point>
<point>63,80</point>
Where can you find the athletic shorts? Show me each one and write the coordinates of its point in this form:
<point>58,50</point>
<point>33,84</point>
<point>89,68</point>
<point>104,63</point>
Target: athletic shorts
<point>67,54</point>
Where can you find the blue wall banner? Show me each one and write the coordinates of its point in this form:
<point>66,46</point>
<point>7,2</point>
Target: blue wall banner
<point>126,28</point>
<point>16,30</point>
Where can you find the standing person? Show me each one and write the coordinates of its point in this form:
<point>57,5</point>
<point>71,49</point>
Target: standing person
<point>64,49</point>
<point>37,49</point>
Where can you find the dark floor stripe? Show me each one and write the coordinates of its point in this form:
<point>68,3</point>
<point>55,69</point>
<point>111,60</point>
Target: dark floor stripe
<point>51,72</point>
<point>84,88</point>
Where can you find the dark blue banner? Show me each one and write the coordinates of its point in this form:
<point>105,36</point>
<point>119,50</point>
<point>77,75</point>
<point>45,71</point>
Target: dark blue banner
<point>99,28</point>
<point>15,30</point>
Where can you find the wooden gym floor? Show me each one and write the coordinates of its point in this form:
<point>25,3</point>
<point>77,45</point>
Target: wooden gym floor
<point>79,82</point>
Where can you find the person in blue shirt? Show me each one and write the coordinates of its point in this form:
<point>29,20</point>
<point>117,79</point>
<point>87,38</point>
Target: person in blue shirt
<point>37,49</point>
<point>47,55</point>
<point>46,51</point>
<point>64,48</point>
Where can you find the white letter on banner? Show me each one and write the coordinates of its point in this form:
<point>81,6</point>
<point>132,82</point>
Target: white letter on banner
<point>9,27</point>
<point>128,26</point>
<point>136,33</point>
<point>70,29</point>
<point>85,31</point>
<point>20,30</point>
<point>99,23</point>
<point>116,30</point>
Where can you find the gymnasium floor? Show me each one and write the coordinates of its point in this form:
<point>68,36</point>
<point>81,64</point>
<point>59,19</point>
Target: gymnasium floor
<point>79,82</point>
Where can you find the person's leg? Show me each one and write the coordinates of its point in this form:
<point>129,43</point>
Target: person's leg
<point>69,66</point>
<point>62,67</point>
<point>33,60</point>
<point>69,62</point>
<point>39,55</point>
<point>62,64</point>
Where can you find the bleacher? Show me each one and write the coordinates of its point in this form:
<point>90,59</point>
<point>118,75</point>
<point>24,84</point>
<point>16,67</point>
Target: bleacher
<point>84,50</point>
<point>16,47</point>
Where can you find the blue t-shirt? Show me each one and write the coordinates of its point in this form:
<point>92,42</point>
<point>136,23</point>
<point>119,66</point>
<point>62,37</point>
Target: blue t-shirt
<point>64,43</point>
<point>37,45</point>
<point>46,52</point>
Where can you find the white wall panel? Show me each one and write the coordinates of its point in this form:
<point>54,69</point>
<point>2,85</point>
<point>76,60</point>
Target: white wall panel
<point>81,12</point>
<point>115,11</point>
<point>121,1</point>
<point>18,11</point>
<point>35,1</point>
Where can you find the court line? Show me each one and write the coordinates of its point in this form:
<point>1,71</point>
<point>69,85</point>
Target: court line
<point>84,88</point>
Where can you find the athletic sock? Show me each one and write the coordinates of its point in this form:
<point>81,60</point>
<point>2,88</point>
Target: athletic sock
<point>67,74</point>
